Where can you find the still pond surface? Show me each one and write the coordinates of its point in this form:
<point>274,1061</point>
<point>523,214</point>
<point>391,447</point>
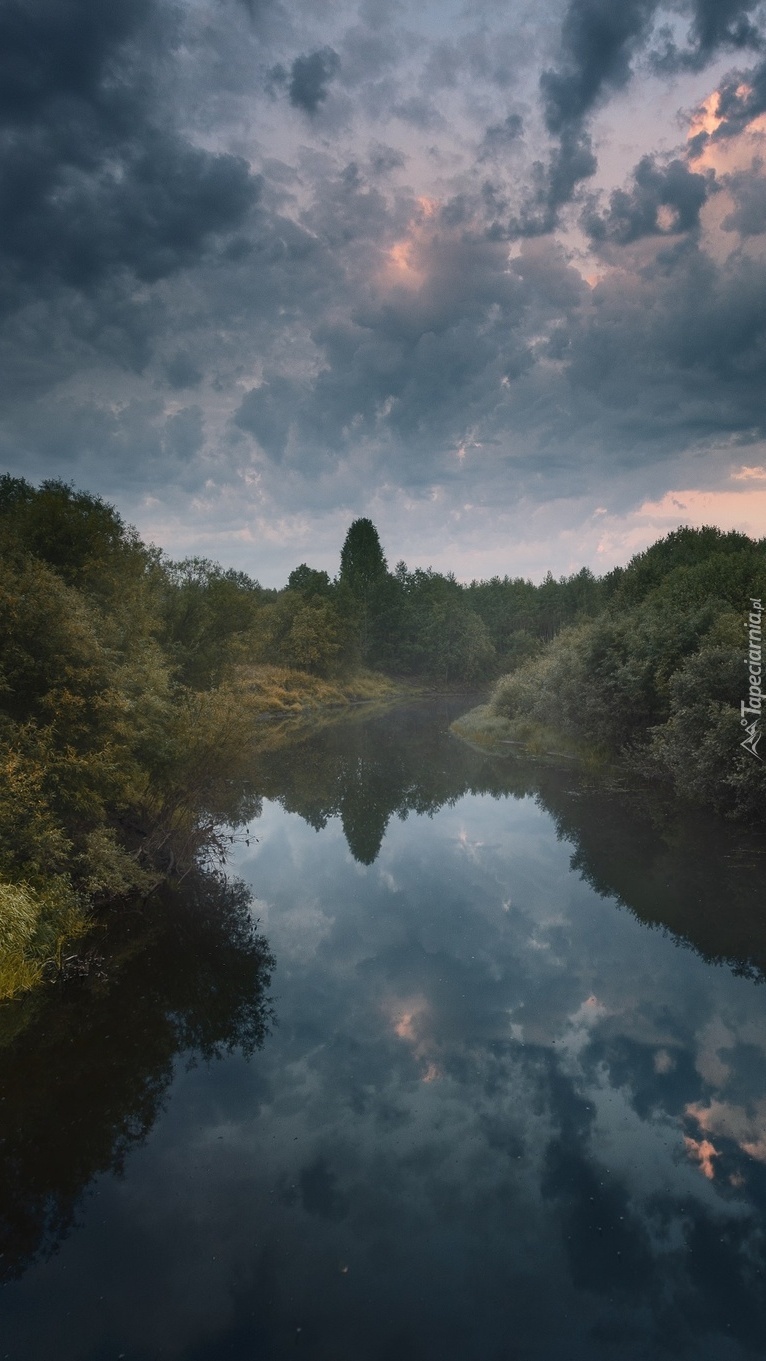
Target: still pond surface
<point>502,1099</point>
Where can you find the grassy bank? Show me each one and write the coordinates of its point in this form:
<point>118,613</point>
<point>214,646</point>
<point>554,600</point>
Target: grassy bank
<point>280,691</point>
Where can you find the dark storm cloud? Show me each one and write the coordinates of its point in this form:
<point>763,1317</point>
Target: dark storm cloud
<point>678,353</point>
<point>598,41</point>
<point>637,212</point>
<point>715,25</point>
<point>127,447</point>
<point>417,367</point>
<point>724,23</point>
<point>94,177</point>
<point>56,51</point>
<point>183,433</point>
<point>310,78</point>
<point>152,214</point>
<point>669,349</point>
<point>333,285</point>
<point>384,159</point>
<point>182,372</point>
<point>554,184</point>
<point>257,8</point>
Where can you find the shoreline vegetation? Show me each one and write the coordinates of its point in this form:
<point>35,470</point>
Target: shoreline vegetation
<point>138,695</point>
<point>661,685</point>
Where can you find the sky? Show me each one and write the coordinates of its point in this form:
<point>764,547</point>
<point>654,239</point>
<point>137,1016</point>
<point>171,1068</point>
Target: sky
<point>493,275</point>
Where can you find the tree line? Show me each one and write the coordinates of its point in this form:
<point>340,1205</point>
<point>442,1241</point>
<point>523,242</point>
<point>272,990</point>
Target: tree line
<point>416,622</point>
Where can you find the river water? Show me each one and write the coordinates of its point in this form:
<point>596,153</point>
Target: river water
<point>488,1083</point>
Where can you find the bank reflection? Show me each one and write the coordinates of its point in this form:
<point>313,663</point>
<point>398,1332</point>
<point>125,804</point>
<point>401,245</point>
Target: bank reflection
<point>187,974</point>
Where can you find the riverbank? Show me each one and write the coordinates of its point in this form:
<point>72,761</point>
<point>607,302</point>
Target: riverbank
<point>279,691</point>
<point>489,731</point>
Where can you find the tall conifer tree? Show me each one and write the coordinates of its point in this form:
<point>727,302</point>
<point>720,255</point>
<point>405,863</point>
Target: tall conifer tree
<point>362,563</point>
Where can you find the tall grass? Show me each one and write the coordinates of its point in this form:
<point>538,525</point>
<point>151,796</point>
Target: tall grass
<point>34,927</point>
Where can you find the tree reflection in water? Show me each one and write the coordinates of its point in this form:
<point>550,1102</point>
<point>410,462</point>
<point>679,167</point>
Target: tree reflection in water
<point>673,867</point>
<point>84,1081</point>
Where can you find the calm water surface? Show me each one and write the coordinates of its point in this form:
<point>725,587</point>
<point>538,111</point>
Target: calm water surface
<point>507,1101</point>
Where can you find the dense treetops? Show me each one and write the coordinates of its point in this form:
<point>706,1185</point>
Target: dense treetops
<point>658,676</point>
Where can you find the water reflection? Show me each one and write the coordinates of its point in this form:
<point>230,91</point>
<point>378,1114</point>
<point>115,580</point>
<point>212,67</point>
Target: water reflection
<point>84,1082</point>
<point>499,1117</point>
<point>683,871</point>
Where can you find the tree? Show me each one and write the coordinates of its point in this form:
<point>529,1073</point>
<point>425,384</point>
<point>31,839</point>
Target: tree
<point>363,571</point>
<point>362,564</point>
<point>458,642</point>
<point>208,615</point>
<point>308,581</point>
<point>81,537</point>
<point>309,633</point>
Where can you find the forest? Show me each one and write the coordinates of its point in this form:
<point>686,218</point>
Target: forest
<point>129,735</point>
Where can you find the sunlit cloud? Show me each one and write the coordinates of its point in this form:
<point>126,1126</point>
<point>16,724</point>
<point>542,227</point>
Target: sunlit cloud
<point>470,846</point>
<point>726,153</point>
<point>702,1151</point>
<point>404,1022</point>
<point>406,260</point>
<point>722,1119</point>
<point>409,1021</point>
<point>756,474</point>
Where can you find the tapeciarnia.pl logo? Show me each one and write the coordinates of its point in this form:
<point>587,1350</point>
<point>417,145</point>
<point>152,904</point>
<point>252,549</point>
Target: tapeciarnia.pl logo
<point>752,706</point>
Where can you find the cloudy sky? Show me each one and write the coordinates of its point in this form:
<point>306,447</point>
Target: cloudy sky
<point>494,275</point>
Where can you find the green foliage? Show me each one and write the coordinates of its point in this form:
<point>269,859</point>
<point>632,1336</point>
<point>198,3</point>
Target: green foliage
<point>78,535</point>
<point>698,747</point>
<point>362,563</point>
<point>308,582</point>
<point>657,677</point>
<point>306,632</point>
<point>33,928</point>
<point>208,618</point>
<point>421,625</point>
<point>112,772</point>
<point>684,548</point>
<point>418,623</point>
<point>457,643</point>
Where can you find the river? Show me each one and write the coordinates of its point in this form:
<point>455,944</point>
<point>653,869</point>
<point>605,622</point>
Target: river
<point>486,1082</point>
